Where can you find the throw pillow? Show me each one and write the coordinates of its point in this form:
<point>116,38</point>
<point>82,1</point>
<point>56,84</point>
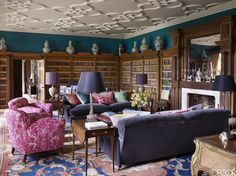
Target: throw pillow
<point>72,99</point>
<point>104,97</point>
<point>120,96</point>
<point>83,98</point>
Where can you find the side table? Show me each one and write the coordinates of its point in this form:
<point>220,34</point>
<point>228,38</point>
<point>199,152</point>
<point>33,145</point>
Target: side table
<point>83,134</point>
<point>57,105</point>
<point>214,156</point>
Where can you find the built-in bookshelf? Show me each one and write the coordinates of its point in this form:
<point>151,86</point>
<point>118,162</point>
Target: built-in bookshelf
<point>4,82</point>
<point>126,72</point>
<point>166,74</point>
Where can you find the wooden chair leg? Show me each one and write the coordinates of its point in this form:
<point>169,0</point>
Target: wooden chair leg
<point>12,150</point>
<point>24,158</point>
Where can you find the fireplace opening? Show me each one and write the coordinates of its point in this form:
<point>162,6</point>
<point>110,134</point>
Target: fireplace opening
<point>205,100</point>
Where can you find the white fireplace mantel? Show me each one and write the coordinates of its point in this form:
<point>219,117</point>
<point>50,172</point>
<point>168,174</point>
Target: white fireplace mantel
<point>186,91</point>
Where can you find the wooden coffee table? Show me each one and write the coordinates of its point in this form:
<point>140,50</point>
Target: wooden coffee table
<point>83,134</point>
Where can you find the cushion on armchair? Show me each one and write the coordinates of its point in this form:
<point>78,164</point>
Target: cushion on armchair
<point>18,103</point>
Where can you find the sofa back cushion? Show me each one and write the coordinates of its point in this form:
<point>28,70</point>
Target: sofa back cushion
<point>120,96</point>
<point>18,103</point>
<point>72,99</point>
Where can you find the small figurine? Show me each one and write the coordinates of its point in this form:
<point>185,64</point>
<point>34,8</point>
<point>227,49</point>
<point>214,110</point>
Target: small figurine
<point>144,45</point>
<point>46,48</point>
<point>134,49</point>
<point>198,76</point>
<point>70,49</point>
<point>3,45</point>
<point>158,43</point>
<point>95,49</point>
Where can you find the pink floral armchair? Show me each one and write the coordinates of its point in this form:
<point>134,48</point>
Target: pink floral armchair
<point>21,103</point>
<point>31,136</point>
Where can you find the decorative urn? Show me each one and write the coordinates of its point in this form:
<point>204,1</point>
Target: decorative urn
<point>46,48</point>
<point>144,45</point>
<point>95,49</point>
<point>120,49</point>
<point>3,45</point>
<point>70,49</point>
<point>158,43</point>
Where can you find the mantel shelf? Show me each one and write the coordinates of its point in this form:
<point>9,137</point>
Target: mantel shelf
<point>196,85</point>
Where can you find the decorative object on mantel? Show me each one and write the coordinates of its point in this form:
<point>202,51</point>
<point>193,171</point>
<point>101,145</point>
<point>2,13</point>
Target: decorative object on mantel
<point>46,48</point>
<point>3,45</point>
<point>52,79</point>
<point>144,45</point>
<point>198,77</point>
<point>158,43</point>
<point>120,49</point>
<point>95,49</point>
<point>134,49</point>
<point>70,49</point>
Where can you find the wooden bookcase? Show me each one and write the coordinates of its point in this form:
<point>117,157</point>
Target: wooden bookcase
<point>108,65</point>
<point>125,72</point>
<point>4,80</point>
<point>69,67</point>
<point>137,67</point>
<point>166,72</point>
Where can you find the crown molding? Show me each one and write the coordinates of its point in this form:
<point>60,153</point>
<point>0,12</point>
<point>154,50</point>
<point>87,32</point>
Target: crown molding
<point>66,33</point>
<point>211,11</point>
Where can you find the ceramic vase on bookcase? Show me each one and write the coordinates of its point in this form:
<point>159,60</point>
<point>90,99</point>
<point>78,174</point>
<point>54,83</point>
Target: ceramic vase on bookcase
<point>70,49</point>
<point>158,43</point>
<point>134,49</point>
<point>144,45</point>
<point>46,48</point>
<point>95,49</point>
<point>3,45</point>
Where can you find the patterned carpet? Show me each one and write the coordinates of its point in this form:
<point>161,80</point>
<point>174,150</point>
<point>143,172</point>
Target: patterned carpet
<point>54,164</point>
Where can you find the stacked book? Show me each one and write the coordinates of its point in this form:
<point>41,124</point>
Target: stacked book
<point>95,125</point>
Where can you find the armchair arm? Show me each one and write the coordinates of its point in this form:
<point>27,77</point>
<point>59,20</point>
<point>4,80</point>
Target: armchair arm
<point>47,107</point>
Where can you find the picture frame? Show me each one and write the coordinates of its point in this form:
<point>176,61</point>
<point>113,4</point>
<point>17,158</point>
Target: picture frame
<point>64,90</point>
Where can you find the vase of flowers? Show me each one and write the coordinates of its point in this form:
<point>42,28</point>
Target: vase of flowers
<point>139,99</point>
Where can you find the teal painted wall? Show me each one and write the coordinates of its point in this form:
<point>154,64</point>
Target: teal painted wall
<point>165,33</point>
<point>32,42</point>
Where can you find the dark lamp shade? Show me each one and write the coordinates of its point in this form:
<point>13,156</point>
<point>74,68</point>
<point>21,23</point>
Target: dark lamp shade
<point>224,83</point>
<point>141,79</point>
<point>51,78</point>
<point>90,82</point>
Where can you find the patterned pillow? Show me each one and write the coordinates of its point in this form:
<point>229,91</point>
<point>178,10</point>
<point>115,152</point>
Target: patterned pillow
<point>104,97</point>
<point>72,99</point>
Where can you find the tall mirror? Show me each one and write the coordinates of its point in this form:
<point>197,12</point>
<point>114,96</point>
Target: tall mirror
<point>204,61</point>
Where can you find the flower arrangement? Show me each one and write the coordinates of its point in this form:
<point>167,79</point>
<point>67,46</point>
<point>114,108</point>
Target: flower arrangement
<point>139,99</point>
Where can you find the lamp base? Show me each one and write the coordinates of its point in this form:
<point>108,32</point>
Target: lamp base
<point>52,91</point>
<point>91,118</point>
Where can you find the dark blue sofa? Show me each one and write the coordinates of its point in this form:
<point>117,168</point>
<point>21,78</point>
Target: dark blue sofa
<point>145,138</point>
<point>82,110</point>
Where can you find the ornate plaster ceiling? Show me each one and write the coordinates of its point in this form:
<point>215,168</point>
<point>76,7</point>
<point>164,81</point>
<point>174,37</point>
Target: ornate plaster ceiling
<point>115,18</point>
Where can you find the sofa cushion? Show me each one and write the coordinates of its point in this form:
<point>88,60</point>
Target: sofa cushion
<point>120,96</point>
<point>72,99</point>
<point>103,97</point>
<point>115,107</point>
<point>83,109</point>
<point>83,98</point>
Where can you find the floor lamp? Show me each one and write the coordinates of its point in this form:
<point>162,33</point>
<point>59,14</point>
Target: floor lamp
<point>90,82</point>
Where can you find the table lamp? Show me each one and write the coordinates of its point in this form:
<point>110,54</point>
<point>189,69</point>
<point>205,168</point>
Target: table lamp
<point>224,83</point>
<point>51,79</point>
<point>90,82</point>
<point>141,79</point>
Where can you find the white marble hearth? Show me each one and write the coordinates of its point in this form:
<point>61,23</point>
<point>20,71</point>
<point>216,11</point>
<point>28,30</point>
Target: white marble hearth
<point>186,91</point>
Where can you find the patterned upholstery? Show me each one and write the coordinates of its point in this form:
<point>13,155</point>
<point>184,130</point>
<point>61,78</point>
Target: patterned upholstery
<point>31,135</point>
<point>21,103</point>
